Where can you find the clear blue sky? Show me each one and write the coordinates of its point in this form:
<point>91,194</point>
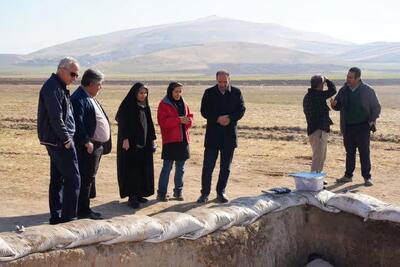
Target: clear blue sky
<point>29,25</point>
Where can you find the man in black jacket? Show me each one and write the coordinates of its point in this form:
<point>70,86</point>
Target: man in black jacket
<point>222,106</point>
<point>92,137</point>
<point>56,128</point>
<point>316,111</point>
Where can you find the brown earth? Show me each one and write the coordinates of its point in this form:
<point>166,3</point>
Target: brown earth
<point>272,143</point>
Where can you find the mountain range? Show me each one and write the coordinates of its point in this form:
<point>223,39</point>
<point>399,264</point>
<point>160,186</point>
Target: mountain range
<point>201,46</point>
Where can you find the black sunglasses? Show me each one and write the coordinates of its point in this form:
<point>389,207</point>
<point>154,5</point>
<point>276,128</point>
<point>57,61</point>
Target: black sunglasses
<point>74,75</point>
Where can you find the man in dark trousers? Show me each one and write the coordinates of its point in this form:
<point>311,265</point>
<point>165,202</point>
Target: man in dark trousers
<point>56,128</point>
<point>222,106</point>
<point>92,137</point>
<point>316,111</point>
<point>359,108</point>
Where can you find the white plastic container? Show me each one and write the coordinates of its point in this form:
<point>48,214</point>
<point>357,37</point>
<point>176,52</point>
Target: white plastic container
<point>308,181</point>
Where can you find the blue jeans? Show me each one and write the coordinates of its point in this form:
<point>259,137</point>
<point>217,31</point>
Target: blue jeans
<point>64,183</point>
<point>164,176</point>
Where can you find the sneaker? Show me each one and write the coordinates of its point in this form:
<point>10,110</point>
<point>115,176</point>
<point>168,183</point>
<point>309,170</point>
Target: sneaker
<point>222,198</point>
<point>368,182</point>
<point>202,199</point>
<point>142,199</point>
<point>345,179</point>
<point>162,198</point>
<point>178,197</point>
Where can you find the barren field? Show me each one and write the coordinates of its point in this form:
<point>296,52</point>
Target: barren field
<point>272,143</point>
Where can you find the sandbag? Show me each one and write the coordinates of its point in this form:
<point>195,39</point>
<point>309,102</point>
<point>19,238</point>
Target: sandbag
<point>286,201</point>
<point>212,220</point>
<point>260,204</point>
<point>38,239</point>
<point>89,231</point>
<point>389,213</point>
<point>175,224</point>
<point>357,204</point>
<point>133,228</point>
<point>319,263</point>
<point>6,253</point>
<point>241,215</point>
<point>319,199</point>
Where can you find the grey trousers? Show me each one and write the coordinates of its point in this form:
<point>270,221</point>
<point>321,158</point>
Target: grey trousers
<point>318,141</point>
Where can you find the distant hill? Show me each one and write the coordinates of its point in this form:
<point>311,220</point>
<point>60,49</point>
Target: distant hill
<point>205,58</point>
<point>200,46</point>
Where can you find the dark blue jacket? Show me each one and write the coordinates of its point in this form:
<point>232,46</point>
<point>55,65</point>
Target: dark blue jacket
<point>85,117</point>
<point>55,123</point>
<point>215,104</point>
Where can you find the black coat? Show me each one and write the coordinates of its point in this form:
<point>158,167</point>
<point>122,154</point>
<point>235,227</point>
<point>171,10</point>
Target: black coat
<point>215,104</point>
<point>135,168</point>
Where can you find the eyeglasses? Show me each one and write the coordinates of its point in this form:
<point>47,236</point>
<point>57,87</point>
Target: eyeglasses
<point>74,75</point>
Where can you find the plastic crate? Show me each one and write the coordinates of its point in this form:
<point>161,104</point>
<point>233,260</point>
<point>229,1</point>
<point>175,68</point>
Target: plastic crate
<point>308,181</point>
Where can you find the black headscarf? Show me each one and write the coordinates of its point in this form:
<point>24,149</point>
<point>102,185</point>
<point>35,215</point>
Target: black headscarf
<point>179,104</point>
<point>130,108</point>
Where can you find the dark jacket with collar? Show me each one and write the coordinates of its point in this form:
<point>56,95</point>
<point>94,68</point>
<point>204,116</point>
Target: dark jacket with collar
<point>369,102</point>
<point>85,119</point>
<point>54,125</point>
<point>316,110</point>
<point>215,104</point>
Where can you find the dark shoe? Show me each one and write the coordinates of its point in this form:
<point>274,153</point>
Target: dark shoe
<point>368,182</point>
<point>222,198</point>
<point>133,202</point>
<point>54,221</point>
<point>92,216</point>
<point>162,198</point>
<point>142,199</point>
<point>202,199</point>
<point>95,213</point>
<point>345,179</point>
<point>178,196</point>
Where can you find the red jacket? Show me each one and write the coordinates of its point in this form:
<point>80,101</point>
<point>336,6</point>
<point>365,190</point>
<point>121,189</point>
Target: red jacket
<point>170,124</point>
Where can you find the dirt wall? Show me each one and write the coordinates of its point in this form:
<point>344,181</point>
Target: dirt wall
<point>284,238</point>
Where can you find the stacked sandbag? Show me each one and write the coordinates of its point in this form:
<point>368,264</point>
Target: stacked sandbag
<point>175,224</point>
<point>241,215</point>
<point>6,252</point>
<point>212,220</point>
<point>319,199</point>
<point>89,231</point>
<point>133,228</point>
<point>358,204</point>
<point>286,201</point>
<point>36,239</point>
<point>260,204</point>
<point>387,213</point>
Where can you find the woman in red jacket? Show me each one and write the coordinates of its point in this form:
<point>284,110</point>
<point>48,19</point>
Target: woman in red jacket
<point>175,119</point>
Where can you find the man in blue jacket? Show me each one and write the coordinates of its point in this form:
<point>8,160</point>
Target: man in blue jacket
<point>359,109</point>
<point>56,128</point>
<point>92,137</point>
<point>223,106</point>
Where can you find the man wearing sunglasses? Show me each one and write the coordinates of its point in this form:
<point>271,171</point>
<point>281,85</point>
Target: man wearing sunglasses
<point>56,128</point>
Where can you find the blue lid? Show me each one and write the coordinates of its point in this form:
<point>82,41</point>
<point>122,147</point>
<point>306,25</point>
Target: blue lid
<point>308,175</point>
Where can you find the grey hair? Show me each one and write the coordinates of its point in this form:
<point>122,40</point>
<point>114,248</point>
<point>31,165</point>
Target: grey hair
<point>222,72</point>
<point>91,76</point>
<point>67,62</point>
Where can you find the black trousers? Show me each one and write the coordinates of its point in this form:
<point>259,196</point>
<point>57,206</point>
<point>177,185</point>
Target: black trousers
<point>357,136</point>
<point>64,183</point>
<point>88,166</point>
<point>210,158</point>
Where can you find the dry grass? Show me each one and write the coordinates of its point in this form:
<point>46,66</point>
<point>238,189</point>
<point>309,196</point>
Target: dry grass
<point>272,143</point>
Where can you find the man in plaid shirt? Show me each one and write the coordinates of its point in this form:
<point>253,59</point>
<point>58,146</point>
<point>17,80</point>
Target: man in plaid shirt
<point>317,115</point>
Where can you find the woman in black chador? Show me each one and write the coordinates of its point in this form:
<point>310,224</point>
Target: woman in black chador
<point>135,146</point>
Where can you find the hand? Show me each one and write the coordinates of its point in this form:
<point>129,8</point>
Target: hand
<point>89,147</point>
<point>224,120</point>
<point>184,119</point>
<point>68,145</point>
<point>125,144</point>
<point>333,103</point>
